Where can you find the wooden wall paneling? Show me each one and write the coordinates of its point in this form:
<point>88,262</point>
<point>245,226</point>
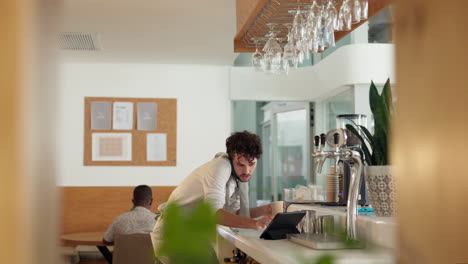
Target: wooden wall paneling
<point>430,142</point>
<point>88,209</point>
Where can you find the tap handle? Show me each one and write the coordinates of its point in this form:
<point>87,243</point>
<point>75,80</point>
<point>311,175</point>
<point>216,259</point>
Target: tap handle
<point>336,139</point>
<point>316,141</point>
<point>322,140</point>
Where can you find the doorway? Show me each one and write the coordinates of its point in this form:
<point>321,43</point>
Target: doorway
<point>287,129</point>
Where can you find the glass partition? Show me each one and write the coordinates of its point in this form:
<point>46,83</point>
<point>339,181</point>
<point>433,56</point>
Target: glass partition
<point>265,189</point>
<point>286,130</point>
<point>291,156</point>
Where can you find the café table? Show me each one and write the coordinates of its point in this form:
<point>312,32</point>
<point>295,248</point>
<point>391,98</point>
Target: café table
<point>88,239</point>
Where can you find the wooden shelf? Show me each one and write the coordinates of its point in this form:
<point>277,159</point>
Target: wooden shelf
<point>253,15</point>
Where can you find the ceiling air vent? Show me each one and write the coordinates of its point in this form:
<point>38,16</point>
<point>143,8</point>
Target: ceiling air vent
<point>80,41</point>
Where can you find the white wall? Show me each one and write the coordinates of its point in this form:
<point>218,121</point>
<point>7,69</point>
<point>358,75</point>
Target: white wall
<point>203,117</point>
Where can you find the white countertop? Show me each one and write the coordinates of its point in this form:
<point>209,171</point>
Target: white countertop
<point>283,251</point>
<point>377,230</point>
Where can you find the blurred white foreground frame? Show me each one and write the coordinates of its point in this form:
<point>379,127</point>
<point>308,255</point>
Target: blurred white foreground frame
<point>112,146</point>
<point>156,147</point>
<point>123,116</point>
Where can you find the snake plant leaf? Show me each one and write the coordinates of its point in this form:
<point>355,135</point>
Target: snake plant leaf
<point>373,97</point>
<point>367,154</point>
<point>379,150</point>
<point>372,143</point>
<point>387,110</point>
<point>379,110</point>
<point>363,130</point>
<point>381,116</point>
<point>386,105</point>
<point>388,99</point>
<point>367,133</point>
<point>382,109</point>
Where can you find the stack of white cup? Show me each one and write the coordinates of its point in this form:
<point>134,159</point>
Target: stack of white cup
<point>333,183</point>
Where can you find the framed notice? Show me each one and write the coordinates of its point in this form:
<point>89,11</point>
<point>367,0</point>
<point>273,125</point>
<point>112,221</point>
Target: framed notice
<point>130,131</point>
<point>112,146</point>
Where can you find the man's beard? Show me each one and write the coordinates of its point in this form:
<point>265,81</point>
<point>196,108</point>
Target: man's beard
<point>240,177</point>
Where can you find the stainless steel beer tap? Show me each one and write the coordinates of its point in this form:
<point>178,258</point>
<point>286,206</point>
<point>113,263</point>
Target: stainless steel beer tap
<point>354,159</point>
<point>336,139</point>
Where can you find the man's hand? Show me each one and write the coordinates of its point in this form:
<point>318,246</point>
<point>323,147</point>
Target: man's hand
<point>263,222</point>
<point>254,222</point>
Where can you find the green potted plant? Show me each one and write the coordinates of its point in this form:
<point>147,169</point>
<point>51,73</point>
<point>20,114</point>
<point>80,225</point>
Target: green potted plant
<point>378,173</point>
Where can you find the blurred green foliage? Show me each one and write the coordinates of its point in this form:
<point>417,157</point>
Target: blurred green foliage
<point>325,259</point>
<point>189,237</point>
<point>376,152</point>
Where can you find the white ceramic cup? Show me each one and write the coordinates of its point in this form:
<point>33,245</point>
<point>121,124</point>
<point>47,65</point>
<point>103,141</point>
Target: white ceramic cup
<point>277,207</point>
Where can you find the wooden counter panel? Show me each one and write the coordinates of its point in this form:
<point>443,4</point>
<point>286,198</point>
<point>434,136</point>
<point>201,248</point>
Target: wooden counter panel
<point>91,209</point>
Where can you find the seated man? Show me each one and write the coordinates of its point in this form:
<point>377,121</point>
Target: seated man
<point>139,220</point>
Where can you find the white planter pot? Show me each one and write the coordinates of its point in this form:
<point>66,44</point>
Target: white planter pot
<point>381,189</point>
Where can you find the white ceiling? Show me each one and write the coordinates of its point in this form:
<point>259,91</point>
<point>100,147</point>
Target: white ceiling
<point>154,31</point>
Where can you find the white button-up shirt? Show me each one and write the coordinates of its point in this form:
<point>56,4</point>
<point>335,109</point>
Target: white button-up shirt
<point>138,221</point>
<point>208,183</point>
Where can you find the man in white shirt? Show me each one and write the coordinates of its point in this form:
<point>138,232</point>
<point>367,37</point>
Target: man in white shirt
<point>223,183</point>
<point>139,220</point>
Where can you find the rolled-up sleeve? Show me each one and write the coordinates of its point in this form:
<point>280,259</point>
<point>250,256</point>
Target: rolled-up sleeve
<point>110,232</point>
<point>214,183</point>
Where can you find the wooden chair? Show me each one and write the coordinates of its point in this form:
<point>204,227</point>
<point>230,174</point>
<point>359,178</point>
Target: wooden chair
<point>133,249</point>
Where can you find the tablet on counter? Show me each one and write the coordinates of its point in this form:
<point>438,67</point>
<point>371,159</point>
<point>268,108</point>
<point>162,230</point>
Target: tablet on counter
<point>283,224</point>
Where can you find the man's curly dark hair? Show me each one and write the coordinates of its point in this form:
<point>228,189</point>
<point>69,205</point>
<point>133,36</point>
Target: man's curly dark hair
<point>245,144</point>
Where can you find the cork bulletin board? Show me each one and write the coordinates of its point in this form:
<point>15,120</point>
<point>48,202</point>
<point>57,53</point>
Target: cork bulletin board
<point>130,131</point>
